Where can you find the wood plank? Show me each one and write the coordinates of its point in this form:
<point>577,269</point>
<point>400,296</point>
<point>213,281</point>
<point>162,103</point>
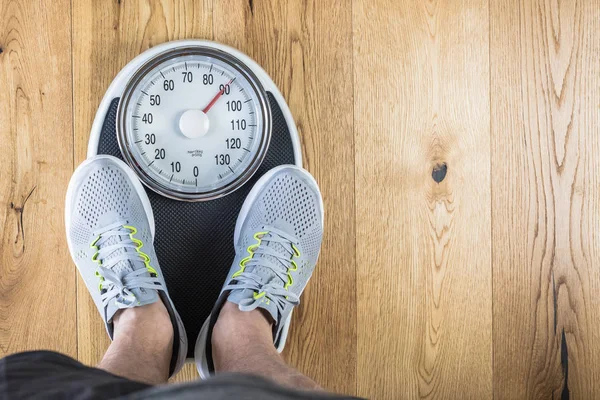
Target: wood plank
<point>306,48</point>
<point>37,278</point>
<point>423,248</point>
<point>106,36</point>
<point>188,373</point>
<point>545,145</point>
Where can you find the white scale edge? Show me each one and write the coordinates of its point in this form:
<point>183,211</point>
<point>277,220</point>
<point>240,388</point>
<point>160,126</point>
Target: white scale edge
<point>117,87</point>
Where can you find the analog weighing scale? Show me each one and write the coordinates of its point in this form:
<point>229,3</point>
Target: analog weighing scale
<point>199,123</point>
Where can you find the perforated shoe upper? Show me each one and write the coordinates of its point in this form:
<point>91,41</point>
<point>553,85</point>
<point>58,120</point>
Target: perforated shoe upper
<point>110,233</point>
<point>284,222</point>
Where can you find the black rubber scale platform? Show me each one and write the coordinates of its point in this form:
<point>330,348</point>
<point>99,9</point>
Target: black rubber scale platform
<point>194,241</point>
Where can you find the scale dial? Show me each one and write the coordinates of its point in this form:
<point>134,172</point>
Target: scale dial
<point>194,123</point>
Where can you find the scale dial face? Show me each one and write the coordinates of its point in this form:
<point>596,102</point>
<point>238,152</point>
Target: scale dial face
<point>194,123</point>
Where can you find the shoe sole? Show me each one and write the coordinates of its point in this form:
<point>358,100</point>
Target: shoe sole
<point>199,349</point>
<point>76,182</point>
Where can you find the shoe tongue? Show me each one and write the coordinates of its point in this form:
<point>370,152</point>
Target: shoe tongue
<point>122,268</point>
<point>267,276</point>
<point>143,297</point>
<point>236,296</point>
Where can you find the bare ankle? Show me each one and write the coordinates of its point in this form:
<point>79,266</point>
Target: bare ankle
<point>142,344</point>
<point>151,318</point>
<point>231,317</point>
<point>235,333</point>
<point>242,341</point>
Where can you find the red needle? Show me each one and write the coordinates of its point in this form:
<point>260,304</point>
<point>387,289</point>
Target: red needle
<point>214,100</point>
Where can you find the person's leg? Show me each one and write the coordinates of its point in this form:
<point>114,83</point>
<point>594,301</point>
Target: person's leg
<point>110,233</point>
<point>277,240</point>
<point>143,336</point>
<point>253,352</point>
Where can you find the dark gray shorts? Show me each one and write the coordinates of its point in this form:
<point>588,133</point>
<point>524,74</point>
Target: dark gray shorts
<point>50,375</point>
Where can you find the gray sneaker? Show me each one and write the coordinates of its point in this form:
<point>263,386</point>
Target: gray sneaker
<point>110,232</point>
<point>277,242</point>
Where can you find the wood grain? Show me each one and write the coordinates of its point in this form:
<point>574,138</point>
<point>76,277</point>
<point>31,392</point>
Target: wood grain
<point>37,281</point>
<point>454,142</point>
<point>305,46</point>
<point>106,36</point>
<point>188,373</point>
<point>423,247</point>
<point>546,189</point>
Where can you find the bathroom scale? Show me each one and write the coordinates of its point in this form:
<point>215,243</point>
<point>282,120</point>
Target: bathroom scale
<point>199,123</point>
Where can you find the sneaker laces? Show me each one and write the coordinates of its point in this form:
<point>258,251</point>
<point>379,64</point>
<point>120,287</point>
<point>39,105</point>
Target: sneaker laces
<point>278,262</point>
<point>114,247</point>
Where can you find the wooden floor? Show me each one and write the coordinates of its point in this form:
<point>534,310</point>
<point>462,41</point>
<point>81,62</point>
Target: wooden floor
<point>457,146</point>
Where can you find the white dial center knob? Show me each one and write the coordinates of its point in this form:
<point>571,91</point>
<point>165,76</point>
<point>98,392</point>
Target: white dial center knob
<point>194,123</point>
